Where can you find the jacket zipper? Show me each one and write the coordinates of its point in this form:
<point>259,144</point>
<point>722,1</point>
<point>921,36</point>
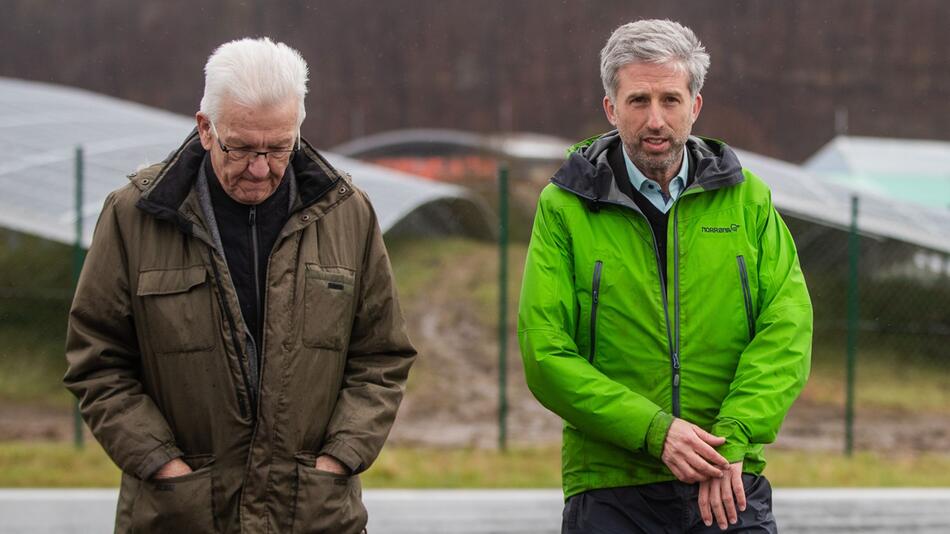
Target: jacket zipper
<point>243,404</point>
<point>595,299</point>
<point>746,294</point>
<point>252,223</point>
<point>257,345</point>
<point>674,357</point>
<point>676,310</point>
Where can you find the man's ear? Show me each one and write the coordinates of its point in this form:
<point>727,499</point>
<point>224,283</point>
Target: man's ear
<point>697,106</point>
<point>204,130</point>
<point>610,111</point>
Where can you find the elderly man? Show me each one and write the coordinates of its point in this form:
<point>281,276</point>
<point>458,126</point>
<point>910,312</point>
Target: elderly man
<point>664,315</point>
<point>235,340</point>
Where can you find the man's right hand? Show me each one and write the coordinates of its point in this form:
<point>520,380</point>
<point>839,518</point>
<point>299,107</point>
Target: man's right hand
<point>175,468</point>
<point>688,452</point>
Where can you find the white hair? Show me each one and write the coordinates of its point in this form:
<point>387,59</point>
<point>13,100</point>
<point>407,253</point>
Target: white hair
<point>254,73</point>
<point>653,41</point>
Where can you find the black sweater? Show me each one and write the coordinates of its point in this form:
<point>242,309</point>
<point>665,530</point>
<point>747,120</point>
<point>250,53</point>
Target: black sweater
<point>239,225</point>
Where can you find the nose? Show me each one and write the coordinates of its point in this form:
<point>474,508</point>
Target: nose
<point>655,120</point>
<point>258,166</point>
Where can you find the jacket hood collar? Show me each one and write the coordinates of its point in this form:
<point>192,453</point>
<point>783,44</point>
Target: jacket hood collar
<point>176,178</point>
<point>587,173</point>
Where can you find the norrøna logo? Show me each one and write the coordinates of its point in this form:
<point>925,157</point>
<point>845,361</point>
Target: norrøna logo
<point>721,229</point>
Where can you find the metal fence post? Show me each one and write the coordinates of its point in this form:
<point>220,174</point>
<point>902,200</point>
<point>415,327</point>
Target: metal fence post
<point>853,258</point>
<point>503,307</point>
<point>78,257</point>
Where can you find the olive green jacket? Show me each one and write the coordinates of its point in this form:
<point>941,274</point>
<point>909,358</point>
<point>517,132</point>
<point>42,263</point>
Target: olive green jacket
<point>164,367</point>
<point>614,349</point>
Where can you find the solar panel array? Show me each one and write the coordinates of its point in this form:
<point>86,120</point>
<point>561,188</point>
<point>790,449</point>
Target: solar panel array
<point>41,126</point>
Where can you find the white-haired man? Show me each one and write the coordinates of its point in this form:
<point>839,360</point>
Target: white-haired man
<point>235,340</point>
<point>664,315</point>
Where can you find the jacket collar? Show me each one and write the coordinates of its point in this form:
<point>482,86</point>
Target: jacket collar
<point>171,194</point>
<point>588,174</point>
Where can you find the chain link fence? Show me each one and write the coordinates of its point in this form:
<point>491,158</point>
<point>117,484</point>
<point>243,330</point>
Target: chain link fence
<point>900,336</point>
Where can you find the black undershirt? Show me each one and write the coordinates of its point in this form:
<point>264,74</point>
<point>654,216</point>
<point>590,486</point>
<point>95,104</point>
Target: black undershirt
<point>234,226</point>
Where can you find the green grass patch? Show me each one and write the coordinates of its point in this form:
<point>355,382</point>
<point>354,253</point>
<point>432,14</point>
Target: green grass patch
<point>399,467</point>
<point>55,465</point>
<point>885,378</point>
<point>58,465</point>
<point>794,469</point>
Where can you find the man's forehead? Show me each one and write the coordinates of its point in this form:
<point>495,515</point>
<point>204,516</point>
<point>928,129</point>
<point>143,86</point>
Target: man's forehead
<point>267,116</point>
<point>642,76</point>
<point>238,122</point>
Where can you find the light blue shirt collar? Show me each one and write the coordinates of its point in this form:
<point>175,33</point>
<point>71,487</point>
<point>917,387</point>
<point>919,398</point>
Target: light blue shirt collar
<point>651,189</point>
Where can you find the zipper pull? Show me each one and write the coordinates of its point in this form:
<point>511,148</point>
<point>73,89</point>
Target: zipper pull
<point>252,216</point>
<point>596,296</point>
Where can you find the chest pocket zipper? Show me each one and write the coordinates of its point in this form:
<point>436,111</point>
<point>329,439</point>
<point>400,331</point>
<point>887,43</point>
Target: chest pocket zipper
<point>746,294</point>
<point>595,300</point>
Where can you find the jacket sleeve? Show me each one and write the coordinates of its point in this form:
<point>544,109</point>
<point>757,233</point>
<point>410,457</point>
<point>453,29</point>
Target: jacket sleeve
<point>104,361</point>
<point>774,366</point>
<point>377,364</point>
<point>560,378</point>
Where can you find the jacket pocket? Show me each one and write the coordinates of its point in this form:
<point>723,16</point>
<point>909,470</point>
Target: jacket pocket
<point>326,503</point>
<point>178,312</point>
<point>746,294</point>
<point>179,504</point>
<point>328,295</point>
<point>594,302</point>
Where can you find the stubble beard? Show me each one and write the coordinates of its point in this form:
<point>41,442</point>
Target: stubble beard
<point>659,165</point>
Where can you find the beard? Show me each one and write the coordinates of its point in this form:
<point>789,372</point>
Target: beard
<point>657,164</point>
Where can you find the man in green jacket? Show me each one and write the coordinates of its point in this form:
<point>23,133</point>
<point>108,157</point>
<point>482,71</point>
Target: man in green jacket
<point>664,315</point>
<point>235,340</point>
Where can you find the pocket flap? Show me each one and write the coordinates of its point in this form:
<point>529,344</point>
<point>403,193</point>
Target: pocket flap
<point>334,276</point>
<point>169,281</point>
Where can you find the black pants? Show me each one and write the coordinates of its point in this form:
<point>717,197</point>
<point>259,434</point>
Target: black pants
<point>664,507</point>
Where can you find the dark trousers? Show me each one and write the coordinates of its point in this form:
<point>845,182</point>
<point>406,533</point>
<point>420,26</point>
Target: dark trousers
<point>663,507</point>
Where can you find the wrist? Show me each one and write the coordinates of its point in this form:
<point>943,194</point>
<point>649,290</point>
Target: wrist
<point>656,433</point>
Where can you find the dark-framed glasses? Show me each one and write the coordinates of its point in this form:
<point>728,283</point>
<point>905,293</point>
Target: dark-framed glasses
<point>280,155</point>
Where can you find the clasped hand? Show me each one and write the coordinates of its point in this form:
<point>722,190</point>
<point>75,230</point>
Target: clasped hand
<point>690,454</point>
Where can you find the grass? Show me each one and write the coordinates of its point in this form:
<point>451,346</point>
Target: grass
<point>59,465</point>
<point>885,378</point>
<point>55,465</point>
<point>796,469</point>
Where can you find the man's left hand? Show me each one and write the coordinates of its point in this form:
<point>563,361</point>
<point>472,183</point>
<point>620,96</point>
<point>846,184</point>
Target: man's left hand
<point>720,497</point>
<point>331,464</point>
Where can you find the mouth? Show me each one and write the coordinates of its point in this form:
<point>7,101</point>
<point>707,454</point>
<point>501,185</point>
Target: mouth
<point>254,182</point>
<point>655,144</point>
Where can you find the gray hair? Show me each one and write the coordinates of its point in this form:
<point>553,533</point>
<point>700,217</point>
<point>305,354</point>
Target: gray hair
<point>653,41</point>
<point>253,73</point>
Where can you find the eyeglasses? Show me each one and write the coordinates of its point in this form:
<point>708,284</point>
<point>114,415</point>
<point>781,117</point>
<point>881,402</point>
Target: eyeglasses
<point>281,155</point>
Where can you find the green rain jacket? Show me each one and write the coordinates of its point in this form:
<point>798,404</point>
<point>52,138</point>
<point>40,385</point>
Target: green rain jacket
<point>617,351</point>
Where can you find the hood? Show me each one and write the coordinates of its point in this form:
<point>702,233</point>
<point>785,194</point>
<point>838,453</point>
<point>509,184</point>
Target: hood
<point>587,173</point>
